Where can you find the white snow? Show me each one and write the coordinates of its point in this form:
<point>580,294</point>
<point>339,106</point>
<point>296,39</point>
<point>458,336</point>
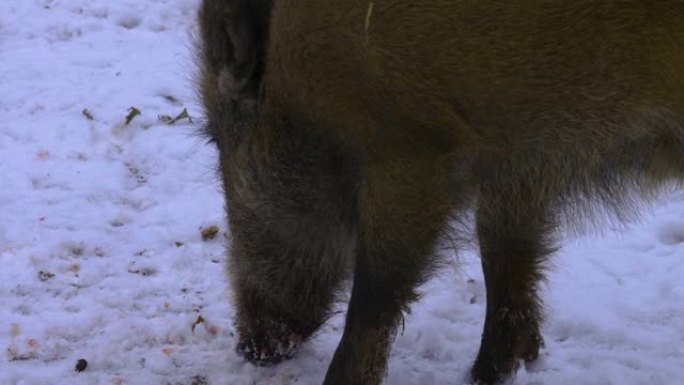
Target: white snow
<point>102,258</point>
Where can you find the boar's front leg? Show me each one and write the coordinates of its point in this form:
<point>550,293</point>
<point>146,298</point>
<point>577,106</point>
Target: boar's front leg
<point>513,230</point>
<point>403,207</point>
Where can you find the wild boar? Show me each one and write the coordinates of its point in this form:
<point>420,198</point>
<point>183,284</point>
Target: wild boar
<point>351,131</point>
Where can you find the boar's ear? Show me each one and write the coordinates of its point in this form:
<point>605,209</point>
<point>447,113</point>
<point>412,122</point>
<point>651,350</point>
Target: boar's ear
<point>233,44</point>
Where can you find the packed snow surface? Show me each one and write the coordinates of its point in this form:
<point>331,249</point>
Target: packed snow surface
<point>102,255</point>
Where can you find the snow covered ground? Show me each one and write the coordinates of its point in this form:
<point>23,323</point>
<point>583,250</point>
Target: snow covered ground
<point>102,256</point>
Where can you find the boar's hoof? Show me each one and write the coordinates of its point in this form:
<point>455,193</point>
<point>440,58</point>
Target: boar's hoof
<point>498,375</point>
<point>500,370</point>
<point>530,351</point>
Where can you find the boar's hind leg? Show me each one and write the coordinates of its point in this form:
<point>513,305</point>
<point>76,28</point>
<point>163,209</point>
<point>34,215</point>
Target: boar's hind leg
<point>513,230</point>
<point>404,205</point>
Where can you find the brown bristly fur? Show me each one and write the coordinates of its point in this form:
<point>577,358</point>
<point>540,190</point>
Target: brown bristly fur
<point>350,132</point>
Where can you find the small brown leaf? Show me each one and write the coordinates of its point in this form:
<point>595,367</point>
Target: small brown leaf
<point>209,232</point>
<point>183,115</point>
<point>199,320</point>
<point>132,113</point>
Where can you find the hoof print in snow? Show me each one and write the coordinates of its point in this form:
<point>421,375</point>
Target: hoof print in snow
<point>75,249</point>
<point>129,21</point>
<point>199,380</point>
<point>81,365</point>
<point>672,234</point>
<point>136,173</point>
<point>144,271</point>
